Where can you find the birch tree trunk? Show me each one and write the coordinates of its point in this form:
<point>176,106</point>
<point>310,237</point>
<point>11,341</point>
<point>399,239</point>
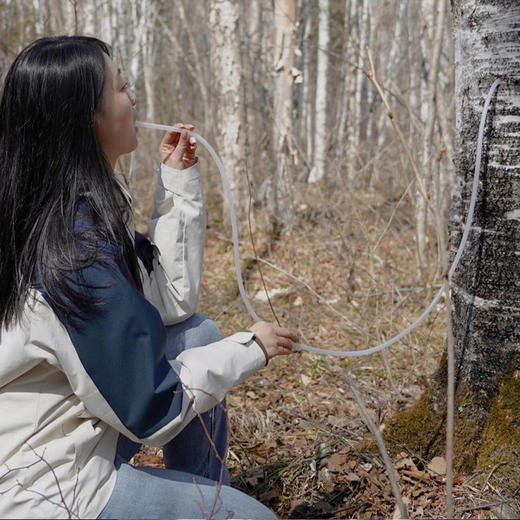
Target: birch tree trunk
<point>486,286</point>
<point>308,84</point>
<point>340,147</point>
<point>428,137</point>
<point>320,138</point>
<point>357,108</point>
<point>227,73</point>
<point>281,196</point>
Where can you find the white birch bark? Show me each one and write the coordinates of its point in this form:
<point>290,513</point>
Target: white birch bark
<point>344,102</point>
<point>320,138</point>
<point>149,53</point>
<point>429,113</point>
<point>309,83</point>
<point>486,286</point>
<point>357,108</point>
<point>227,73</point>
<point>284,17</point>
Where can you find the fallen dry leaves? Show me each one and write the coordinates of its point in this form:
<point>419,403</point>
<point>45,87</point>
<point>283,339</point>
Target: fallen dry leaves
<point>294,429</point>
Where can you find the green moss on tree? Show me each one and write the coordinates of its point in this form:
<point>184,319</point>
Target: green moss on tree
<point>420,428</point>
<point>500,449</point>
<point>485,439</point>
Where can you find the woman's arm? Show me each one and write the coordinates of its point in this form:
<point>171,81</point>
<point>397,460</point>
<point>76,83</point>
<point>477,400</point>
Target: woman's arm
<point>115,364</point>
<point>177,230</point>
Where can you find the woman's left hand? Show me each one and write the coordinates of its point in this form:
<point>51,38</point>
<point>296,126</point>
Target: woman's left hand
<point>178,150</point>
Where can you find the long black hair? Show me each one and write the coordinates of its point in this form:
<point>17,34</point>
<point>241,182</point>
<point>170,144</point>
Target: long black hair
<point>50,164</point>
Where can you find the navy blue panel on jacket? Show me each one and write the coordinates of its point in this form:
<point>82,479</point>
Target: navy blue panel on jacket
<point>122,348</point>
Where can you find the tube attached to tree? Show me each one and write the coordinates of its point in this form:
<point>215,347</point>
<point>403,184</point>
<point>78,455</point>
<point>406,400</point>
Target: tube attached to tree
<point>422,317</point>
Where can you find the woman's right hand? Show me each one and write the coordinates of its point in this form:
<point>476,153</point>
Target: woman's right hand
<point>177,150</point>
<point>277,341</point>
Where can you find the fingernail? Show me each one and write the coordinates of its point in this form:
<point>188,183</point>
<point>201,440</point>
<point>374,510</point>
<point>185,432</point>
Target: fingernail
<point>192,140</point>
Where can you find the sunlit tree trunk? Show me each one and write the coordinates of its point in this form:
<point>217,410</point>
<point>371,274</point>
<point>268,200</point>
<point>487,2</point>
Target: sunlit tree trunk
<point>429,117</point>
<point>309,83</point>
<point>284,19</point>
<point>341,148</point>
<point>227,74</point>
<point>357,111</point>
<point>321,134</point>
<point>486,286</point>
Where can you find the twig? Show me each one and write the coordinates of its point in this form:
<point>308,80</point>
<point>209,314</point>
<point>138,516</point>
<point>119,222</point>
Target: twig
<point>252,238</point>
<point>381,445</point>
<point>488,505</point>
<point>222,459</point>
<point>321,298</point>
<point>372,77</point>
<point>390,220</point>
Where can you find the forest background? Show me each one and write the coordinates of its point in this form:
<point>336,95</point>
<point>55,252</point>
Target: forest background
<point>324,168</point>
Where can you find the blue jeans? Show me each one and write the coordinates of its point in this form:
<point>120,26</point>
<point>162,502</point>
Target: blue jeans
<point>188,487</point>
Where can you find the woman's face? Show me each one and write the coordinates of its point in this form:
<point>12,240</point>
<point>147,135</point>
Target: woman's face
<point>116,115</point>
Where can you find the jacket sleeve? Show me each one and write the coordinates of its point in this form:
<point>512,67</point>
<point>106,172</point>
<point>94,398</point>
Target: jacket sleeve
<point>172,261</point>
<point>115,361</point>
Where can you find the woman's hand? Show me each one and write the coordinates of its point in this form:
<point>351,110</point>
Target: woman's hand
<point>278,341</point>
<point>177,150</point>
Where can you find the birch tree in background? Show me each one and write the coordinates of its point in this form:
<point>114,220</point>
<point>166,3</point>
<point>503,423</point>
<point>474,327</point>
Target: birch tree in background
<point>321,134</point>
<point>284,21</point>
<point>429,118</point>
<point>356,107</point>
<point>308,90</point>
<point>228,77</point>
<point>347,59</point>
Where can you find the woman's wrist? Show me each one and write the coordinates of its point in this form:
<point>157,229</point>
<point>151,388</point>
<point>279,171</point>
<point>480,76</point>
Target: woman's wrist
<point>257,340</point>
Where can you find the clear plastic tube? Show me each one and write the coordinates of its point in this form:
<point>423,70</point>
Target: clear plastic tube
<point>426,312</point>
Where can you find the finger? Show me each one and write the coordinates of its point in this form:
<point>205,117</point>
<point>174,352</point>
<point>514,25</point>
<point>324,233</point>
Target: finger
<point>191,148</point>
<point>171,138</point>
<point>182,144</point>
<point>284,351</point>
<point>286,333</point>
<point>285,343</point>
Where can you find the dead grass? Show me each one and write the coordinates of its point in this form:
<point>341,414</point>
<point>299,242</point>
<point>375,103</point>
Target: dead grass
<point>295,429</point>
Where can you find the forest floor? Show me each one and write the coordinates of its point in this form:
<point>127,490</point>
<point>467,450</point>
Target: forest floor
<point>344,277</point>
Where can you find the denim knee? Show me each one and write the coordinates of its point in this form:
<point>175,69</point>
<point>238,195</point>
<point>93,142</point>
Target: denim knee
<point>209,329</point>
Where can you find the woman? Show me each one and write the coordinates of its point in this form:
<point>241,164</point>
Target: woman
<point>84,305</point>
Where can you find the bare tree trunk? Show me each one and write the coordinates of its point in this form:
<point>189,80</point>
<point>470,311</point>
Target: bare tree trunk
<point>284,23</point>
<point>486,286</point>
<point>355,124</point>
<point>429,112</point>
<point>320,138</point>
<point>227,73</point>
<point>347,72</point>
<point>309,84</point>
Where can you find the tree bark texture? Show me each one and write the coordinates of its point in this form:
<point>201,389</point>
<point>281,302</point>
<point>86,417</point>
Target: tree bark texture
<point>224,17</point>
<point>281,193</point>
<point>486,285</point>
<point>320,139</point>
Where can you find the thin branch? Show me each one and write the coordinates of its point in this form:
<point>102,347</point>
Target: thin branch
<point>252,238</point>
<point>372,77</point>
<point>450,404</point>
<point>321,298</point>
<point>381,445</point>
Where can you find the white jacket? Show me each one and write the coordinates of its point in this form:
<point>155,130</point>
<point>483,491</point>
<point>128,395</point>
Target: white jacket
<point>65,395</point>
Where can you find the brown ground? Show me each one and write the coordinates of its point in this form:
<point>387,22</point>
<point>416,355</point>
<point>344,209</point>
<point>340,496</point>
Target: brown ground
<point>296,431</point>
